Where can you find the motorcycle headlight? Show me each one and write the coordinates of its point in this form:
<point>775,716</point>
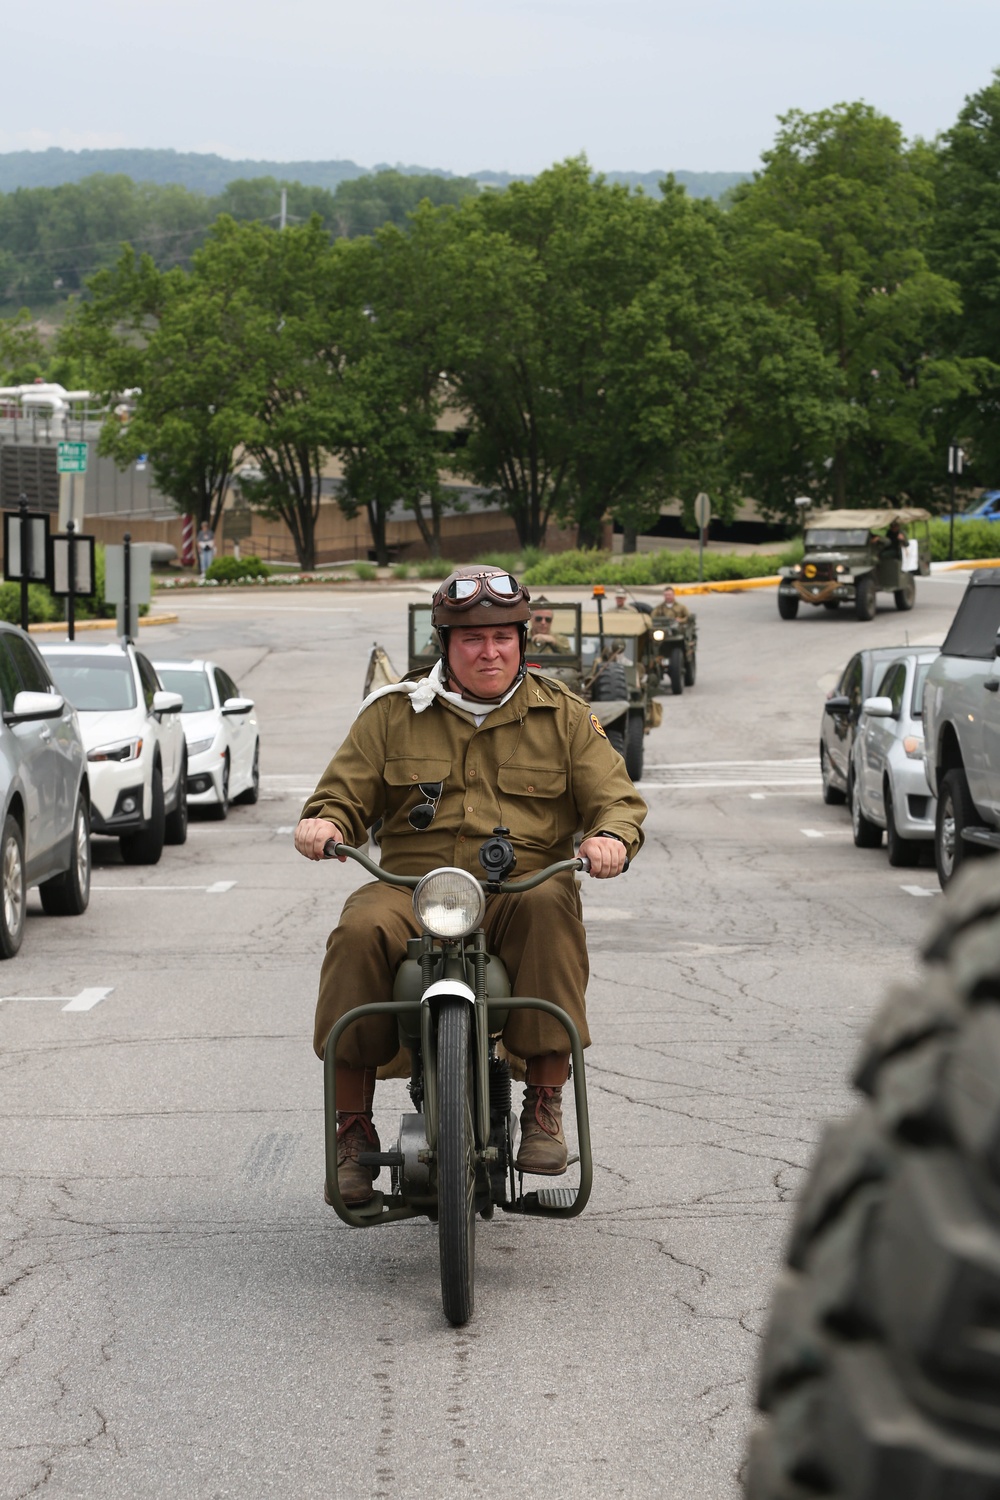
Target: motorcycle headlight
<point>449,903</point>
<point>122,750</point>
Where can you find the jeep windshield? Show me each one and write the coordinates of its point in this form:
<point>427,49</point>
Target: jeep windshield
<point>827,540</point>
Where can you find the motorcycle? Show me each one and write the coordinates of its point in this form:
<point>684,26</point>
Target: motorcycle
<point>455,1154</point>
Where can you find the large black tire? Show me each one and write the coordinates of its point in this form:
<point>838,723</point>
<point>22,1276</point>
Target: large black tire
<point>690,670</point>
<point>867,835</point>
<point>13,889</point>
<point>68,894</point>
<point>880,1371</point>
<point>146,847</point>
<point>220,810</point>
<point>955,811</point>
<point>865,598</point>
<point>456,1162</point>
<point>906,596</point>
<point>635,731</point>
<point>610,686</point>
<point>176,825</point>
<point>832,795</point>
<point>788,606</point>
<point>252,793</point>
<point>903,853</point>
<point>675,669</point>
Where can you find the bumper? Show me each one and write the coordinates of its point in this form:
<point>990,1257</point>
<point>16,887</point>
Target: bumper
<point>817,593</point>
<point>914,809</point>
<point>125,813</point>
<point>204,779</point>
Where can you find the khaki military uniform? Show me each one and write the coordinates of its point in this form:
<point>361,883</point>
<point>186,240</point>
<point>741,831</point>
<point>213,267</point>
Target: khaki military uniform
<point>679,612</point>
<point>541,766</point>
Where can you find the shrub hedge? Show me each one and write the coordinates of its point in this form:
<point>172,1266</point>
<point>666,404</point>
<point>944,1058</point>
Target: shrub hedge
<point>232,569</point>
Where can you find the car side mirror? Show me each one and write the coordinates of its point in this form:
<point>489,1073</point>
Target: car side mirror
<point>878,708</point>
<point>237,706</point>
<point>837,706</point>
<point>167,703</point>
<point>29,706</point>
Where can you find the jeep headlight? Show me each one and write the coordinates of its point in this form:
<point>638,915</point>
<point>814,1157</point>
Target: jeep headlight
<point>657,635</point>
<point>449,903</point>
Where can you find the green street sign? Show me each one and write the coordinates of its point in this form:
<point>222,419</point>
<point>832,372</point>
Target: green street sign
<point>71,458</point>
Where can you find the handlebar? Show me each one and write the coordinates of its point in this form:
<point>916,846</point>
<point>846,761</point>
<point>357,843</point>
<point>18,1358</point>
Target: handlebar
<point>333,850</point>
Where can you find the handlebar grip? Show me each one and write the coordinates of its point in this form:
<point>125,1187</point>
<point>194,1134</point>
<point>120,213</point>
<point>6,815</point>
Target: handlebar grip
<point>331,849</point>
<point>584,863</point>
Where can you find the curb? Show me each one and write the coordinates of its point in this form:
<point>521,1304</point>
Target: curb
<point>726,585</point>
<point>58,627</point>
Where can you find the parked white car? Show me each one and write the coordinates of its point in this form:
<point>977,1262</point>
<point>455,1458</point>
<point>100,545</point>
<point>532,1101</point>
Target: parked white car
<point>223,738</point>
<point>44,793</point>
<point>134,739</point>
<point>889,785</point>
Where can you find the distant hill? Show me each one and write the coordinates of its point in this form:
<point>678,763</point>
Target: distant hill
<point>210,174</point>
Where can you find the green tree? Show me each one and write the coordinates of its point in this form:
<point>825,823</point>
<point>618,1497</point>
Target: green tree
<point>833,232</point>
<point>22,352</point>
<point>965,247</point>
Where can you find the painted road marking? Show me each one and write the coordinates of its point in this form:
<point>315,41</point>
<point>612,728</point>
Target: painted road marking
<point>732,773</point>
<point>813,833</point>
<point>919,890</point>
<point>218,889</point>
<point>85,1000</point>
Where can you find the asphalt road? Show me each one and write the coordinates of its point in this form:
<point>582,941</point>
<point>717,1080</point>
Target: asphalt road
<point>180,1315</point>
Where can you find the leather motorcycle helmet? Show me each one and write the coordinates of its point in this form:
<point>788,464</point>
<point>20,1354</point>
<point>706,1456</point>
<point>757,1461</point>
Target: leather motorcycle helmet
<point>480,596</point>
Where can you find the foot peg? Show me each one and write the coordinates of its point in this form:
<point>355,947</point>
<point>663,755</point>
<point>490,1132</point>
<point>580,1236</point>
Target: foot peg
<point>380,1158</point>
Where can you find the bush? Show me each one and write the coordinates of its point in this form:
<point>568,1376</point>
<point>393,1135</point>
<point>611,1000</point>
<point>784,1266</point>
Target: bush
<point>433,567</point>
<point>233,569</point>
<point>401,570</point>
<point>973,539</point>
<point>42,608</point>
<point>366,571</point>
<point>635,569</point>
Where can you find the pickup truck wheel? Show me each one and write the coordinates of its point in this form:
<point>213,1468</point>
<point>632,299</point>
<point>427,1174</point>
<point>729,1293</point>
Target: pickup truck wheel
<point>788,606</point>
<point>906,596</point>
<point>955,811</point>
<point>903,853</point>
<point>832,795</point>
<point>867,835</point>
<point>877,1378</point>
<point>864,598</point>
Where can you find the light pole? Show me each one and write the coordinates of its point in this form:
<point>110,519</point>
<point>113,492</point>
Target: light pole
<point>956,458</point>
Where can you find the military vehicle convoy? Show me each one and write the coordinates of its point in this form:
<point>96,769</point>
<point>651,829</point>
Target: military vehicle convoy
<point>849,559</point>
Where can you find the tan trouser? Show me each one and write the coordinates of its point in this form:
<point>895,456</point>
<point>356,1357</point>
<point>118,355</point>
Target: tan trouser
<point>539,936</point>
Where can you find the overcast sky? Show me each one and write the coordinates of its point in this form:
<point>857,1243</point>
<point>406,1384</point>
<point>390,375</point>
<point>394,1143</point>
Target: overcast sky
<point>510,85</point>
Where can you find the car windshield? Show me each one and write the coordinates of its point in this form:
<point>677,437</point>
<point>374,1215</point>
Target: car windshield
<point>191,683</point>
<point>825,541</point>
<point>94,684</point>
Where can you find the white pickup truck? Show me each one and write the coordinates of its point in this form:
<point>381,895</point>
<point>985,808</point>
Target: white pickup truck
<point>962,728</point>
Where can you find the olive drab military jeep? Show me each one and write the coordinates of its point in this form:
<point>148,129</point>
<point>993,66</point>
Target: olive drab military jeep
<point>616,686</point>
<point>849,558</point>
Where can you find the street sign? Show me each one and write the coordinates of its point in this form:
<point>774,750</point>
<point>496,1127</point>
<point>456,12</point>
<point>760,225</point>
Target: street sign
<point>702,510</point>
<point>71,458</point>
<point>128,582</point>
<point>83,581</point>
<point>25,546</point>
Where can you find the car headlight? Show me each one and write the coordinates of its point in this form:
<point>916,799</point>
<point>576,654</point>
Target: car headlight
<point>195,747</point>
<point>120,750</point>
<point>449,903</point>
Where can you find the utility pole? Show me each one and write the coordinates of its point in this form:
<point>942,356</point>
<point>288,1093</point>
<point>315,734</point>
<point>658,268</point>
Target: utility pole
<point>284,209</point>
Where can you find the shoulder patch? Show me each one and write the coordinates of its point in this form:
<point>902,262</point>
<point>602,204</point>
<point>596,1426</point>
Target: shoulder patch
<point>596,724</point>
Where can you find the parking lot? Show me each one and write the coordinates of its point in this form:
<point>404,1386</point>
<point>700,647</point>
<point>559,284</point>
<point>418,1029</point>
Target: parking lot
<point>180,1315</point>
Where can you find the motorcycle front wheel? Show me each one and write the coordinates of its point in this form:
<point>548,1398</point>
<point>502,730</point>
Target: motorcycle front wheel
<point>456,1161</point>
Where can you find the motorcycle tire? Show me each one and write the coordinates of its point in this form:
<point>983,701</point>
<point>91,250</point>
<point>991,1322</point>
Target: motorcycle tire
<point>456,1162</point>
<point>880,1371</point>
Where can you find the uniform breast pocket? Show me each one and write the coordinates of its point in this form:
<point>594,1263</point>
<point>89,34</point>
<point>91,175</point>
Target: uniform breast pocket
<point>531,781</point>
<point>411,770</point>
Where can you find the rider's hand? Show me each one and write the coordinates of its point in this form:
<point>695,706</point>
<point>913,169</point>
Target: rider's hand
<point>311,834</point>
<point>607,856</point>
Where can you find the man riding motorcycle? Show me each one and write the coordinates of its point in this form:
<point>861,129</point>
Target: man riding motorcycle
<point>444,758</point>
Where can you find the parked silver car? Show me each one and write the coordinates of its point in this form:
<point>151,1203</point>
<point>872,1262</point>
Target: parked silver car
<point>889,784</point>
<point>44,793</point>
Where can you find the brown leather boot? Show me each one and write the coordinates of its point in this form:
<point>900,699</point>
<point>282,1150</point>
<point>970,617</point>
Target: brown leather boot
<point>355,1133</point>
<point>543,1145</point>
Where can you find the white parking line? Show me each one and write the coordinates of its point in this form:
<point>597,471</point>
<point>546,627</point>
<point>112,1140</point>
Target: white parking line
<point>919,890</point>
<point>813,833</point>
<point>219,888</point>
<point>85,1000</point>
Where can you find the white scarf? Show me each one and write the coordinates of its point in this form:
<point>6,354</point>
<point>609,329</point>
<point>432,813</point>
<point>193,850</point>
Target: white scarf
<point>423,692</point>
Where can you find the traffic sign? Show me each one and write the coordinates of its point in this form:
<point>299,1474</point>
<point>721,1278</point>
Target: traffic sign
<point>71,458</point>
<point>702,510</point>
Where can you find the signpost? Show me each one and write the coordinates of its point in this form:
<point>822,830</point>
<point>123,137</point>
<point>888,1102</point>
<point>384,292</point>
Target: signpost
<point>71,459</point>
<point>25,550</point>
<point>702,515</point>
<point>72,570</point>
<point>128,578</point>
<point>956,458</point>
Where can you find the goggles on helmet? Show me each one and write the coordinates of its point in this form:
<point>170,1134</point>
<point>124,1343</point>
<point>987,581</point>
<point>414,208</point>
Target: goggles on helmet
<point>462,593</point>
